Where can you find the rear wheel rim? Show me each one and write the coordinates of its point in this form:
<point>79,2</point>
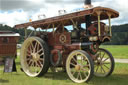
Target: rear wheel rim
<point>80,70</point>
<point>32,57</point>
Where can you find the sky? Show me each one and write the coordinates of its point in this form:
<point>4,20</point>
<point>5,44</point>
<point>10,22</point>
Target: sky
<point>14,12</point>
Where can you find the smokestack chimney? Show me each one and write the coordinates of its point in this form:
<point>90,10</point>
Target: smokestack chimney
<point>87,4</point>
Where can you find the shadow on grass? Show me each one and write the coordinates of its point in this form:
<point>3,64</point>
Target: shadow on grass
<point>4,81</point>
<point>57,75</point>
<point>115,79</point>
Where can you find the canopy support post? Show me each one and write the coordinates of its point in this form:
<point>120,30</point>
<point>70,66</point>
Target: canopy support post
<point>99,28</point>
<point>109,15</point>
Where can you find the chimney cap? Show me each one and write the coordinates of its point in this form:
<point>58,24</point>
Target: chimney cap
<point>87,2</point>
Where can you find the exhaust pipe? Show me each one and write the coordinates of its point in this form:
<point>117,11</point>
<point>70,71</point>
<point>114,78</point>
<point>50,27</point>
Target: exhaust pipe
<point>87,4</point>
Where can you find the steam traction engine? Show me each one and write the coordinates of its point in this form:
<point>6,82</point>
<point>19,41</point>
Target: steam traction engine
<point>69,45</point>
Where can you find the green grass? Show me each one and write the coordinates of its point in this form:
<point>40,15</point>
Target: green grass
<point>119,77</point>
<point>118,51</point>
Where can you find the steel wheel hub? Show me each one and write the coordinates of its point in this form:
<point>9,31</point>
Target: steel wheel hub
<point>35,56</point>
<point>77,67</point>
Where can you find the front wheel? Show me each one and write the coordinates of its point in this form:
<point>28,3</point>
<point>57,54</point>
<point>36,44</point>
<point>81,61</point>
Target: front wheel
<point>79,66</point>
<point>104,63</point>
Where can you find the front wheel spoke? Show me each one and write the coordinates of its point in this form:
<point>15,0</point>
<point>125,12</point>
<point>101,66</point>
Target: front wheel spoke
<point>73,64</point>
<point>28,54</point>
<point>37,65</point>
<point>32,47</point>
<point>29,62</point>
<point>100,69</point>
<point>85,65</point>
<point>103,69</point>
<point>81,60</point>
<point>28,59</point>
<point>40,50</point>
<point>105,59</point>
<point>41,65</point>
<point>73,72</point>
<point>85,70</point>
<point>85,74</point>
<point>35,48</point>
<point>80,76</point>
<point>41,59</point>
<point>102,57</point>
<point>97,68</point>
<point>32,65</point>
<point>74,60</point>
<point>42,54</point>
<point>28,51</point>
<point>106,66</point>
<point>38,46</point>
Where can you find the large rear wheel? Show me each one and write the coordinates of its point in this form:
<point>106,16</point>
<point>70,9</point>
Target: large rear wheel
<point>34,57</point>
<point>104,63</point>
<point>79,66</point>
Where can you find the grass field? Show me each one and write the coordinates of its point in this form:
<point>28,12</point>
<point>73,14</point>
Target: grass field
<point>119,77</point>
<point>118,51</point>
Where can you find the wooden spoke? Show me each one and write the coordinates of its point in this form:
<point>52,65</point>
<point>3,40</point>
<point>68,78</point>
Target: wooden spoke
<point>106,66</point>
<point>102,56</point>
<point>28,59</point>
<point>41,54</point>
<point>85,74</point>
<point>40,50</point>
<point>30,62</point>
<point>73,72</point>
<point>28,51</point>
<point>28,54</point>
<point>32,46</point>
<point>102,69</point>
<point>81,60</point>
<point>82,69</point>
<point>38,46</point>
<point>40,64</point>
<point>73,64</point>
<point>97,68</point>
<point>41,59</point>
<point>37,64</point>
<point>74,60</point>
<point>35,48</point>
<point>105,59</point>
<point>86,66</point>
<point>80,76</point>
